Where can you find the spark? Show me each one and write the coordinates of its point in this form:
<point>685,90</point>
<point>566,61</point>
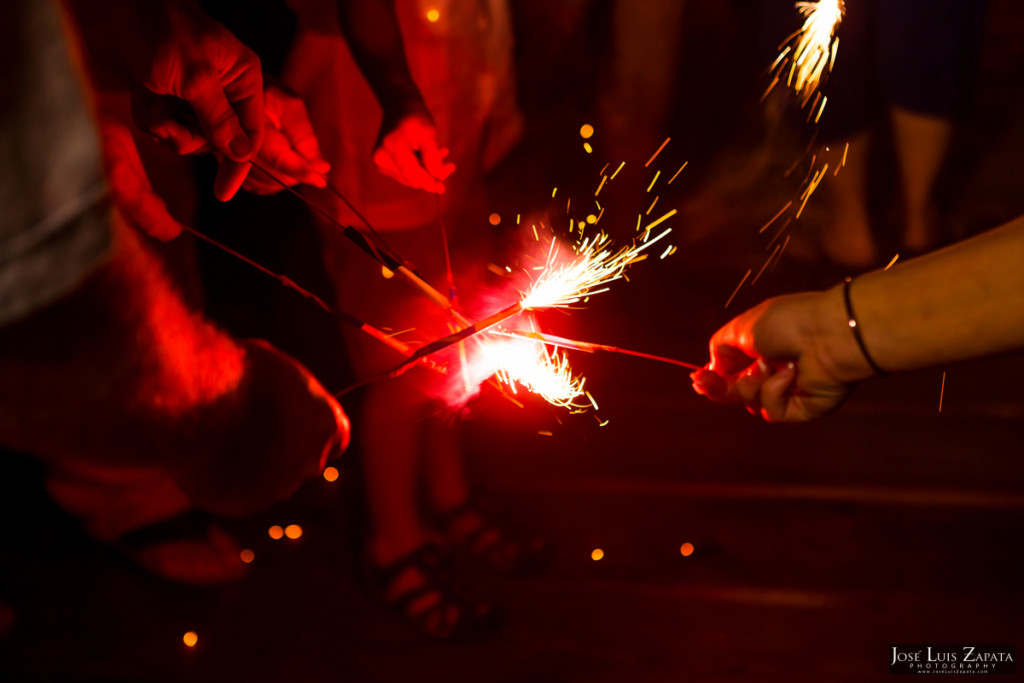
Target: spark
<point>942,389</point>
<point>891,263</point>
<point>654,180</point>
<point>678,172</point>
<point>809,54</point>
<point>651,207</point>
<point>520,363</point>
<point>737,290</point>
<point>586,130</point>
<point>776,216</point>
<point>656,153</point>
<point>553,191</point>
<point>617,170</point>
<point>587,148</point>
<point>604,179</point>
<point>657,222</point>
<point>596,264</point>
<point>604,168</point>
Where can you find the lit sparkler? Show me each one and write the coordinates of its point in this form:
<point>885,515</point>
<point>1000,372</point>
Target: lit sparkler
<point>810,53</point>
<point>520,362</point>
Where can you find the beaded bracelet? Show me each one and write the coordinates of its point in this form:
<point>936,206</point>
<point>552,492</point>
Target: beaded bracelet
<point>855,328</point>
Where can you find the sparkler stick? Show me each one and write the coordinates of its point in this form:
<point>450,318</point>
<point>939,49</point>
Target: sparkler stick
<point>590,347</point>
<point>374,332</point>
<point>383,256</point>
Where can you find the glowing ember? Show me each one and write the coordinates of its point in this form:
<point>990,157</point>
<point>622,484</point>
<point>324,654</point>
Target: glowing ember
<point>810,52</point>
<point>521,363</point>
<point>564,282</point>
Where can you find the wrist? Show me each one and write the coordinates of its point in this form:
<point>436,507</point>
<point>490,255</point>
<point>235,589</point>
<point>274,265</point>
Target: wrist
<point>836,346</point>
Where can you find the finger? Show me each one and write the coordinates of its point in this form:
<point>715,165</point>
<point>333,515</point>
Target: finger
<point>297,128</point>
<point>258,182</point>
<point>432,158</point>
<point>747,387</point>
<point>727,359</point>
<point>710,384</point>
<point>285,163</point>
<point>156,115</point>
<point>776,395</point>
<point>243,86</point>
<point>411,170</point>
<point>218,119</point>
<point>230,176</point>
<point>179,138</point>
<point>385,164</point>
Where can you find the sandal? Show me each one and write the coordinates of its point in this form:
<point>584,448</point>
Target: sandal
<point>188,549</point>
<point>417,588</point>
<point>485,541</point>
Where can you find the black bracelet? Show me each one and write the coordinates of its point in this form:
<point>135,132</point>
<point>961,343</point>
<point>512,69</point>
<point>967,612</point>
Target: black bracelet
<point>855,328</point>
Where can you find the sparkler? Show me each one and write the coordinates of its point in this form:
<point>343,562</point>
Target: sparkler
<point>809,54</point>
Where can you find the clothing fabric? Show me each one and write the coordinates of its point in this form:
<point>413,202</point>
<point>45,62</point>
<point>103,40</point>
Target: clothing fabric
<point>55,222</point>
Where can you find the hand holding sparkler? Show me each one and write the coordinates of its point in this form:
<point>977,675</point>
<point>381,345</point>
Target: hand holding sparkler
<point>763,359</point>
<point>796,357</point>
<point>290,150</point>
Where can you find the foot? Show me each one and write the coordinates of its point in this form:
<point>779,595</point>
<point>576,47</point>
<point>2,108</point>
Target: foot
<point>418,588</point>
<point>483,539</point>
<point>189,549</point>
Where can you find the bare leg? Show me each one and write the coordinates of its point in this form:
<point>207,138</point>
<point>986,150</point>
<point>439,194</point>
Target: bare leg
<point>921,143</point>
<point>392,429</point>
<point>444,471</point>
<point>847,238</point>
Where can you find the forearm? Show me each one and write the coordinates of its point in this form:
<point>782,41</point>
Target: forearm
<point>375,38</point>
<point>962,302</point>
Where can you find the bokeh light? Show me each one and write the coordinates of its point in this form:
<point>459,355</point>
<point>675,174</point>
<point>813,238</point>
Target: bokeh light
<point>331,473</point>
<point>686,549</point>
<point>293,531</point>
<point>586,130</point>
<point>247,556</point>
<point>494,219</point>
<point>190,639</point>
<point>276,532</point>
<point>596,554</point>
<point>433,15</point>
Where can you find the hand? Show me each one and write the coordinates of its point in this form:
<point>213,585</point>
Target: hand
<point>202,63</point>
<point>129,185</point>
<point>290,149</point>
<point>772,360</point>
<point>408,152</point>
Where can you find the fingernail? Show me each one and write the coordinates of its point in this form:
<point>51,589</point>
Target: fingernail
<point>239,145</point>
<point>318,181</point>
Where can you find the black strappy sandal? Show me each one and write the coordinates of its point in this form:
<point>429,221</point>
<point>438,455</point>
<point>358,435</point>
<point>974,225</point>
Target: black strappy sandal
<point>431,605</point>
<point>146,546</point>
<point>477,535</point>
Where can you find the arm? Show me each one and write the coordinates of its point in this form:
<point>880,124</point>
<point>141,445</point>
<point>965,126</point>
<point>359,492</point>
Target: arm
<point>407,144</point>
<point>795,358</point>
